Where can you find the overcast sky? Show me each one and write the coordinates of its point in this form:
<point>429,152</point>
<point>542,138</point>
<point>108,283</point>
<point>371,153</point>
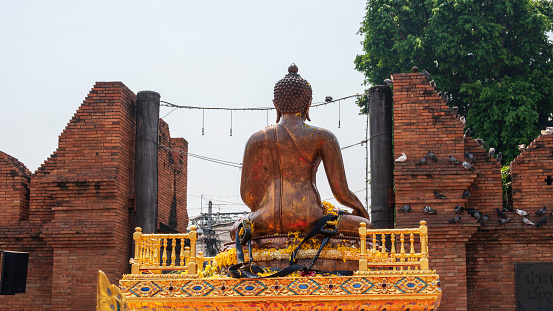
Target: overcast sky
<point>201,53</point>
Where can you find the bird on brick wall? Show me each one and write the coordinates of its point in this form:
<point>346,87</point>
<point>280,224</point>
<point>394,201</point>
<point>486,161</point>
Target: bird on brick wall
<point>445,97</point>
<point>541,212</point>
<point>499,157</point>
<point>541,222</point>
<point>426,74</point>
<point>433,83</point>
<point>521,147</point>
<point>527,222</point>
<point>468,166</point>
<point>455,220</point>
<point>521,212</point>
<point>491,152</point>
<point>459,209</point>
<point>548,131</point>
<point>476,214</point>
<point>402,158</point>
<point>470,210</point>
<point>432,156</point>
<point>415,69</point>
<point>453,160</point>
<point>483,219</point>
<point>500,213</point>
<point>388,82</point>
<point>405,209</point>
<point>467,133</point>
<point>462,119</point>
<point>422,161</point>
<point>507,208</point>
<point>439,196</point>
<point>466,195</point>
<point>428,210</point>
<point>470,157</point>
<point>503,221</point>
<point>481,142</point>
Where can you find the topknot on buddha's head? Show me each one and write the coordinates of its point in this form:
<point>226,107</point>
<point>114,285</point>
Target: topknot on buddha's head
<point>292,94</point>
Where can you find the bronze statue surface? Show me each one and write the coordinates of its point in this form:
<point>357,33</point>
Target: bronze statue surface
<point>280,164</point>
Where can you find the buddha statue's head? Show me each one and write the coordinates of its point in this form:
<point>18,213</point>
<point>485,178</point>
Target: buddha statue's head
<point>292,94</point>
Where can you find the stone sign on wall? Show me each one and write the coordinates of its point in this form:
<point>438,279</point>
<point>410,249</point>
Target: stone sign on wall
<point>534,286</point>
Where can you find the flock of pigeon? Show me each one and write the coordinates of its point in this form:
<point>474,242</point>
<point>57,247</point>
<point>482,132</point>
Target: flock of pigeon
<point>430,155</point>
<point>482,218</point>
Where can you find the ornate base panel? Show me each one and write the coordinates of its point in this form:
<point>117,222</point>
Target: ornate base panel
<point>393,290</point>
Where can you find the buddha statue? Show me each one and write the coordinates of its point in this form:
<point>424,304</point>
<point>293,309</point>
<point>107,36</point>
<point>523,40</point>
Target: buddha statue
<point>280,164</point>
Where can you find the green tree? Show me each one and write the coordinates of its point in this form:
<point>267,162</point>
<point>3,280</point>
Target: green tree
<point>492,57</point>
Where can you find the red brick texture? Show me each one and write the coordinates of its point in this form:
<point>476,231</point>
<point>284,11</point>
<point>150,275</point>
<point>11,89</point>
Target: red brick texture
<point>530,172</point>
<point>459,252</point>
<point>74,214</point>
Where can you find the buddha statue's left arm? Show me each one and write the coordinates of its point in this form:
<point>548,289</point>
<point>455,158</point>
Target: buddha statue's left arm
<point>336,175</point>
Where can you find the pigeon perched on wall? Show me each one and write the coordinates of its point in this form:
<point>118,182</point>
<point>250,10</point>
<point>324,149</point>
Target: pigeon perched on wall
<point>466,195</point>
<point>388,82</point>
<point>491,152</point>
<point>499,157</point>
<point>541,212</point>
<point>426,74</point>
<point>527,222</point>
<point>470,157</point>
<point>405,209</point>
<point>439,196</point>
<point>541,222</point>
<point>481,142</point>
<point>453,160</point>
<point>432,156</point>
<point>402,158</point>
<point>521,212</point>
<point>421,161</point>
<point>500,213</point>
<point>470,210</point>
<point>415,69</point>
<point>467,133</point>
<point>455,220</point>
<point>521,147</point>
<point>428,210</point>
<point>459,209</point>
<point>445,97</point>
<point>433,83</point>
<point>462,119</point>
<point>476,215</point>
<point>503,221</point>
<point>483,219</point>
<point>547,131</point>
<point>468,166</point>
<point>508,208</point>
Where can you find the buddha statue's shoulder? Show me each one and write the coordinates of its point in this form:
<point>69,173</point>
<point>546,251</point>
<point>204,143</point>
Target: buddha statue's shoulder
<point>263,135</point>
<point>318,133</point>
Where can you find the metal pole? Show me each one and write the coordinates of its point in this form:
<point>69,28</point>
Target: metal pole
<point>146,156</point>
<point>382,161</point>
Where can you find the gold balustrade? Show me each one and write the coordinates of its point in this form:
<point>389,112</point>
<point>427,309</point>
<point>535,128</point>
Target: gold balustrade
<point>379,256</point>
<point>159,252</point>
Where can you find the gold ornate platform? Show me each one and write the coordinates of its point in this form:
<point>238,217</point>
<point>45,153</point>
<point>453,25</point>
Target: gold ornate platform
<point>386,280</point>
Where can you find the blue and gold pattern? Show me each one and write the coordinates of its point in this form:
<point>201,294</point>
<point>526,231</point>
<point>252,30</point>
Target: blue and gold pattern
<point>393,290</point>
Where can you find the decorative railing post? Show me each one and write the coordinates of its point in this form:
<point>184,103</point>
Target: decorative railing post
<point>424,250</point>
<point>135,268</point>
<point>363,236</point>
<point>192,266</point>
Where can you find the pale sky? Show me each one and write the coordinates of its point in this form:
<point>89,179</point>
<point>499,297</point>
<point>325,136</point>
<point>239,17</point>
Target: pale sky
<point>200,53</point>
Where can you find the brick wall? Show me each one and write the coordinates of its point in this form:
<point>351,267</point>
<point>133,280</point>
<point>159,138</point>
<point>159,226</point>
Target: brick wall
<point>172,172</point>
<point>74,214</point>
<point>532,175</point>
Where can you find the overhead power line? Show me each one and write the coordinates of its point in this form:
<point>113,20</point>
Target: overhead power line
<point>313,105</point>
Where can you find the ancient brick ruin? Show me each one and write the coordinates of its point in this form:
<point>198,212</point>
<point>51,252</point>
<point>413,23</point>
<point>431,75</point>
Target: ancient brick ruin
<point>75,214</point>
<point>475,262</point>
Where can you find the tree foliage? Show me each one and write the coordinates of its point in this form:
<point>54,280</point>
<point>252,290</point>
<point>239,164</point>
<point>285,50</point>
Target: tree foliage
<point>493,57</point>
